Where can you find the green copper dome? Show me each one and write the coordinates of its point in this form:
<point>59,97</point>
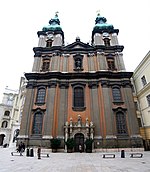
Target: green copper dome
<point>54,24</point>
<point>100,24</point>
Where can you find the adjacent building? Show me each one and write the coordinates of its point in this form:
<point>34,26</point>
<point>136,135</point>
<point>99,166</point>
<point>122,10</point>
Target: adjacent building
<point>10,114</point>
<point>141,78</point>
<point>79,91</point>
<point>6,113</point>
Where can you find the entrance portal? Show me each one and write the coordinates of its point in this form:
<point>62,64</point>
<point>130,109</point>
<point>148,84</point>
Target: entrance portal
<point>79,140</point>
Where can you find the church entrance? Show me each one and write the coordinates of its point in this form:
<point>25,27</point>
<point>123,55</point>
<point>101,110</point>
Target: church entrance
<point>79,142</point>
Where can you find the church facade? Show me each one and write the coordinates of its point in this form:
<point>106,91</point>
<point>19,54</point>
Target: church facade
<point>79,91</point>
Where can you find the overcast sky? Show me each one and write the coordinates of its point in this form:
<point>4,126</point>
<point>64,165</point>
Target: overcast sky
<point>21,19</point>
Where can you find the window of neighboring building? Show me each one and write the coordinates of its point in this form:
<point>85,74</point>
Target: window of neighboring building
<point>4,124</point>
<point>121,123</point>
<point>37,123</point>
<point>143,79</point>
<point>45,65</point>
<point>7,113</point>
<point>139,122</point>
<point>116,94</point>
<point>111,63</point>
<point>136,106</point>
<point>148,99</point>
<point>41,92</point>
<point>106,41</point>
<point>78,97</point>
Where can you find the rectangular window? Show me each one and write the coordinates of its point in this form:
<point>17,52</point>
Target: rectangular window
<point>111,64</point>
<point>41,95</point>
<point>45,66</point>
<point>136,105</point>
<point>37,124</point>
<point>143,79</point>
<point>121,123</point>
<point>148,99</point>
<point>116,94</point>
<point>139,122</point>
<point>78,97</point>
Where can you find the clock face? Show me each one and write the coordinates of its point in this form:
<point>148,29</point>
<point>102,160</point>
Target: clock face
<point>105,34</point>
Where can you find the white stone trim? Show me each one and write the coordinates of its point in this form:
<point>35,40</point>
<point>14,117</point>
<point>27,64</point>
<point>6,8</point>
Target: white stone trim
<point>111,137</point>
<point>22,136</point>
<point>47,137</point>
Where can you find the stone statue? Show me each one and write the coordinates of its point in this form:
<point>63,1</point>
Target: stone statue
<point>79,120</point>
<point>78,64</point>
<point>87,122</point>
<point>66,123</point>
<point>91,124</point>
<point>70,121</point>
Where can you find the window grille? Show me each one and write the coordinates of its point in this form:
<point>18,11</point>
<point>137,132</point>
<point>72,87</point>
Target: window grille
<point>37,123</point>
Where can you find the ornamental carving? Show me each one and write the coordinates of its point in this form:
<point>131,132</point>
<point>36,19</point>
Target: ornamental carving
<point>86,128</point>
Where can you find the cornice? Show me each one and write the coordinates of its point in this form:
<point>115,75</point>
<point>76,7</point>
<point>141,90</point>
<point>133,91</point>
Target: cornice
<point>38,51</point>
<point>85,75</point>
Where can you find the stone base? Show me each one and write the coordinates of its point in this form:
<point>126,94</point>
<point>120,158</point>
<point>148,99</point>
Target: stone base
<point>122,142</point>
<point>99,143</point>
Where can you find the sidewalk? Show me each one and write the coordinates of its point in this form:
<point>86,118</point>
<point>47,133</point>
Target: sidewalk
<point>73,162</point>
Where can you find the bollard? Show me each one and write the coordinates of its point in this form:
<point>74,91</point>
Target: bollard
<point>122,154</point>
<point>27,152</point>
<point>39,152</point>
<point>31,152</point>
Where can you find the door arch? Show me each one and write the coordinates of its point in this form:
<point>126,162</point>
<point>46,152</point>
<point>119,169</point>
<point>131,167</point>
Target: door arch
<point>79,140</point>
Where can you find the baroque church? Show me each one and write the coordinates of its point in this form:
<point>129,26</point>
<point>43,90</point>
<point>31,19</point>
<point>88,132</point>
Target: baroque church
<point>79,91</point>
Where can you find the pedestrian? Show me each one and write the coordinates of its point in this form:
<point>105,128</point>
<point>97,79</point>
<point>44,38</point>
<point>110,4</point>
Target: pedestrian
<point>80,148</point>
<point>20,148</point>
<point>23,147</point>
<point>39,152</point>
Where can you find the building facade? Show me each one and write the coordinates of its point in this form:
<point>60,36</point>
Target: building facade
<point>10,114</point>
<point>141,78</point>
<point>6,113</point>
<point>79,91</point>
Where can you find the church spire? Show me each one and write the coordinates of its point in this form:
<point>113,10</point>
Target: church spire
<point>101,24</point>
<point>54,24</point>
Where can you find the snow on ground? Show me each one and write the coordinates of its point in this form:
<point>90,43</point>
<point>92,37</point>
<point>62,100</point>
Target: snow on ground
<point>73,162</point>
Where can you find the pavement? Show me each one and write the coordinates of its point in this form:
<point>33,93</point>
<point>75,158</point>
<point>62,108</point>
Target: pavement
<point>73,162</point>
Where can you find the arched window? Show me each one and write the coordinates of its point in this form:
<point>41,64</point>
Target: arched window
<point>78,97</point>
<point>49,43</point>
<point>121,123</point>
<point>37,123</point>
<point>7,113</point>
<point>41,96</point>
<point>106,42</point>
<point>116,94</point>
<point>4,124</point>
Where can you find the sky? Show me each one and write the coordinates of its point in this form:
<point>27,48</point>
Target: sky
<point>20,20</point>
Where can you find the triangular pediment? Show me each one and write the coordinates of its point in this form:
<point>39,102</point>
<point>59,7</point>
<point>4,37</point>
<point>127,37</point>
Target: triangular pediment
<point>78,45</point>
